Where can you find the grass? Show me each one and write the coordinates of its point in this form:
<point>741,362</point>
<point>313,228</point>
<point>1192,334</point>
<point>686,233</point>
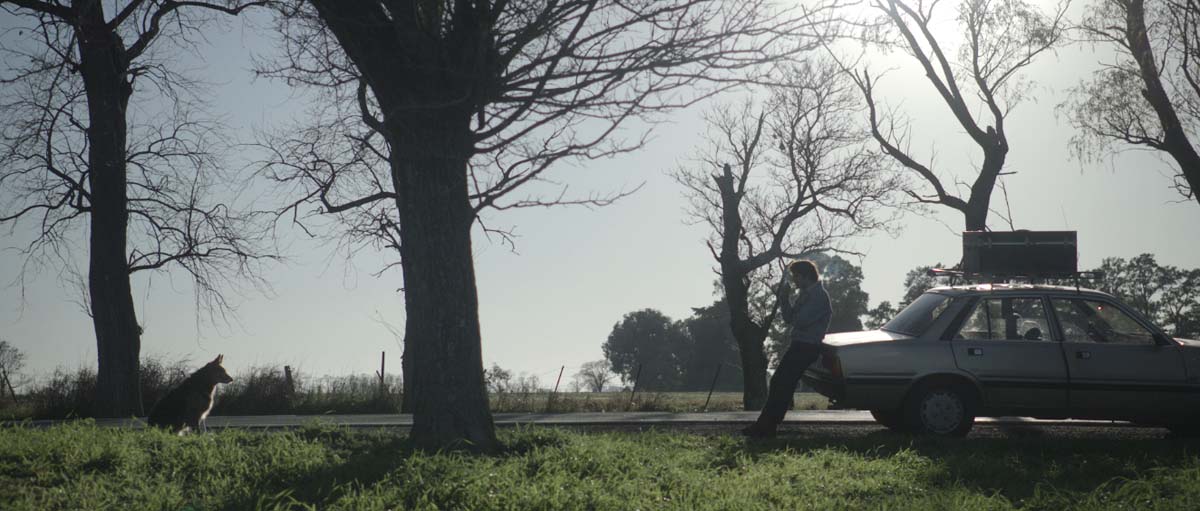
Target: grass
<point>80,466</point>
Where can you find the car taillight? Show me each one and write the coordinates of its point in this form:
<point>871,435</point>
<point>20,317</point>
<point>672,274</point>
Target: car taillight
<point>830,361</point>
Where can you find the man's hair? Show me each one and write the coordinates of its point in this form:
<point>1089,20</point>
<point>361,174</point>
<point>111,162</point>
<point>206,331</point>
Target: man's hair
<point>805,268</point>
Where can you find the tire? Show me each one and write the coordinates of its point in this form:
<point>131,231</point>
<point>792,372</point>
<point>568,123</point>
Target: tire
<point>942,410</point>
<point>891,419</point>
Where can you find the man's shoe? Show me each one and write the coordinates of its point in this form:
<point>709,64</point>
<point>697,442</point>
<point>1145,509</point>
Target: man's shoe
<point>757,430</point>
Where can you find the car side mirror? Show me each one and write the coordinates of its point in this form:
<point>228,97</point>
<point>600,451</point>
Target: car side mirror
<point>1163,340</point>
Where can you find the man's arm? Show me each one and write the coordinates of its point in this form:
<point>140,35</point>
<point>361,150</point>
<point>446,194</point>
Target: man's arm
<point>784,298</point>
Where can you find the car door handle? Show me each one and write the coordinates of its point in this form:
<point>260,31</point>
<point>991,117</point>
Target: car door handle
<point>975,352</point>
<point>1083,355</point>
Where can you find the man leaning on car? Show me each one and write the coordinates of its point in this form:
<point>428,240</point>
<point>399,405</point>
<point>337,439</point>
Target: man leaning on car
<point>809,319</point>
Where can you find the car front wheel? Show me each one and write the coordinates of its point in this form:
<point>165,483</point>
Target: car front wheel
<point>940,410</point>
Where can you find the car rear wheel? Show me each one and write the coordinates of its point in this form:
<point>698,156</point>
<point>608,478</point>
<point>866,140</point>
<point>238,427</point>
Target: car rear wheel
<point>945,410</point>
<point>891,419</point>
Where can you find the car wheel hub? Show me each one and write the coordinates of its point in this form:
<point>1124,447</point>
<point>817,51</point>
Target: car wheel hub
<point>941,412</point>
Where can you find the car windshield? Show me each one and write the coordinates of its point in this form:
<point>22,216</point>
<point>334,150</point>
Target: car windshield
<point>919,314</point>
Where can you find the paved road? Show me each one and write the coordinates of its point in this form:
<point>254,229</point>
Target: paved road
<point>717,420</point>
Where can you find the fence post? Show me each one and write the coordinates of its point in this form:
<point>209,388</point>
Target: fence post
<point>711,387</point>
<point>550,400</point>
<point>380,373</point>
<point>289,379</point>
<point>636,378</point>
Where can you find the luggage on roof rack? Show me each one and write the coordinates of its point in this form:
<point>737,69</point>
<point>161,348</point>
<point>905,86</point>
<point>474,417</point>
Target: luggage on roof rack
<point>1035,254</point>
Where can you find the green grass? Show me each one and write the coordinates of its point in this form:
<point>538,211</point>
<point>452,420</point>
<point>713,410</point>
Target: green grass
<point>80,466</point>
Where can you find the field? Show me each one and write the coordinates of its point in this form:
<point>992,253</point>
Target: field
<point>80,466</point>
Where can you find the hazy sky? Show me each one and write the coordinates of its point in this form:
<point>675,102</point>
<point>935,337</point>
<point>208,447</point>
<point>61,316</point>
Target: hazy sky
<point>577,271</point>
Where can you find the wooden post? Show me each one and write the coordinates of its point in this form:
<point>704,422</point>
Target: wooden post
<point>637,377</point>
<point>711,387</point>
<point>381,372</point>
<point>550,400</point>
<point>291,382</point>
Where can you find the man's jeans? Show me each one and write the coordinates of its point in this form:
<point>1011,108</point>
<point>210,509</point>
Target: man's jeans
<point>783,383</point>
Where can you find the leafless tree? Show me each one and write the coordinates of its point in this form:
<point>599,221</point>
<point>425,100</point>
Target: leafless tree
<point>792,176</point>
<point>593,376</point>
<point>1150,97</point>
<point>99,136</point>
<point>12,360</point>
<point>468,102</point>
<point>981,86</point>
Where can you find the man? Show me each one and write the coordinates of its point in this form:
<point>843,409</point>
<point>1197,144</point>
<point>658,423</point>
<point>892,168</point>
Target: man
<point>808,318</point>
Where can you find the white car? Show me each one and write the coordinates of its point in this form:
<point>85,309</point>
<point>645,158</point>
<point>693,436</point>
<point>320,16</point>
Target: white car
<point>960,352</point>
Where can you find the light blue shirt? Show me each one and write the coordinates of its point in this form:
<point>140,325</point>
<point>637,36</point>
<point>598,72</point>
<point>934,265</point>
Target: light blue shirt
<point>809,316</point>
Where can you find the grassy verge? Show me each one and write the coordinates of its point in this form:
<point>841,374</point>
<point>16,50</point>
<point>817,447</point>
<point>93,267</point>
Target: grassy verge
<point>83,467</point>
<point>262,392</point>
<point>268,390</point>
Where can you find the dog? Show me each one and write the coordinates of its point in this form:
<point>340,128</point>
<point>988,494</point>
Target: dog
<point>185,408</point>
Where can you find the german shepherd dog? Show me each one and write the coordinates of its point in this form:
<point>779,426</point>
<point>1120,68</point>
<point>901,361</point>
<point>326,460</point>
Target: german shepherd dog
<point>186,407</point>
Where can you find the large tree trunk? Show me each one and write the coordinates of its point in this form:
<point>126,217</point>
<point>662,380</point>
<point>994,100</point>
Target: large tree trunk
<point>441,335</point>
<point>1175,138</point>
<point>406,380</point>
<point>750,339</point>
<point>735,279</point>
<point>103,65</point>
<point>979,203</point>
<point>419,83</point>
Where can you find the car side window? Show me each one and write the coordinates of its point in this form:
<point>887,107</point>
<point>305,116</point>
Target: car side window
<point>1090,321</point>
<point>1011,319</point>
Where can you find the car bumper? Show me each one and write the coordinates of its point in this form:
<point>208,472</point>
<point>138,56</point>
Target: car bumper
<point>825,384</point>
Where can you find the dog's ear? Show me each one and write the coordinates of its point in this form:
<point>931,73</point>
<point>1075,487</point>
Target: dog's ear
<point>219,359</point>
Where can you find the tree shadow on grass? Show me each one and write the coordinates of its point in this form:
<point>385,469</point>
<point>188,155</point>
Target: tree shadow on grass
<point>1014,461</point>
<point>370,457</point>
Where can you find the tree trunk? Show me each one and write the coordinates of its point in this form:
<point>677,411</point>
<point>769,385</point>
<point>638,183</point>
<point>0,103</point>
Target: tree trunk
<point>735,280</point>
<point>441,335</point>
<point>1175,138</point>
<point>979,203</point>
<point>426,104</point>
<point>750,338</point>
<point>406,381</point>
<point>103,66</point>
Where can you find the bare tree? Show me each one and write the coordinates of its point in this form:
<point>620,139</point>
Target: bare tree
<point>980,87</point>
<point>794,176</point>
<point>11,363</point>
<point>1150,97</point>
<point>77,155</point>
<point>593,376</point>
<point>469,101</point>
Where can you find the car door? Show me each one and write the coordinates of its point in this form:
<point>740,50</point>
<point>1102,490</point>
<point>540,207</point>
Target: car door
<point>1117,366</point>
<point>1005,342</point>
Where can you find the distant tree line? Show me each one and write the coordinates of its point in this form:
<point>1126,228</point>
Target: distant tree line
<point>683,355</point>
<point>1167,295</point>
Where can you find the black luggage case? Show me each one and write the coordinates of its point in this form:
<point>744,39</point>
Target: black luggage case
<point>1029,253</point>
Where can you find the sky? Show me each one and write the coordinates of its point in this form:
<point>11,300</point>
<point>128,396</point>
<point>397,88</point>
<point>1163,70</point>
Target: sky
<point>575,272</point>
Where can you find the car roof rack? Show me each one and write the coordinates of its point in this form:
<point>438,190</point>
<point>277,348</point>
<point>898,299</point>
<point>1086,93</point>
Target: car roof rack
<point>997,278</point>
